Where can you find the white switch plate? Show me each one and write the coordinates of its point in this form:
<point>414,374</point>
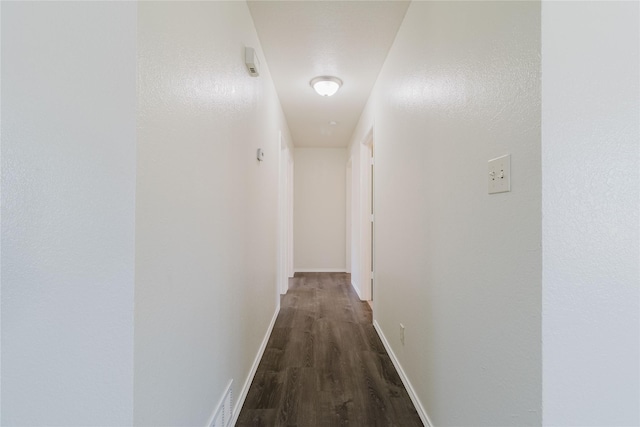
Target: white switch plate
<point>500,174</point>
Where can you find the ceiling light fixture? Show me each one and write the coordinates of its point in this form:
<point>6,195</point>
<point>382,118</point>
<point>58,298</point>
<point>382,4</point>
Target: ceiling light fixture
<point>326,85</point>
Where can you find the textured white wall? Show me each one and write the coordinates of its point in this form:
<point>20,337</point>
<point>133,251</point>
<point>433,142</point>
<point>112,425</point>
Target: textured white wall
<point>0,215</point>
<point>591,198</point>
<point>206,211</point>
<point>68,189</point>
<point>319,209</point>
<point>460,268</point>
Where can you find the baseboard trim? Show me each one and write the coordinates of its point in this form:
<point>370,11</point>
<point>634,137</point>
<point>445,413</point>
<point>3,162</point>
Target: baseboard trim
<point>355,288</point>
<point>252,373</point>
<point>405,380</point>
<point>320,270</point>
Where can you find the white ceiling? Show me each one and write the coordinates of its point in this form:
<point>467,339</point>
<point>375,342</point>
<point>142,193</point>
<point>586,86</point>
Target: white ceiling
<point>305,39</point>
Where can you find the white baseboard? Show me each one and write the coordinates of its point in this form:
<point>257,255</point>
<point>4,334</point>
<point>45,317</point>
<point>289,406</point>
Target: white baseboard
<point>357,289</point>
<point>320,270</point>
<point>407,384</point>
<point>252,373</point>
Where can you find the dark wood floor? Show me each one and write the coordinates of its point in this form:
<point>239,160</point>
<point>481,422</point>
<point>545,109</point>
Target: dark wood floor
<point>325,365</point>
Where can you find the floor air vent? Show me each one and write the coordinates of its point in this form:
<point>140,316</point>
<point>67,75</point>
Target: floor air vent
<point>224,411</point>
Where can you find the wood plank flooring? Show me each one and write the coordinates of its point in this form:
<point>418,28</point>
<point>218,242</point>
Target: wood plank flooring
<point>325,365</point>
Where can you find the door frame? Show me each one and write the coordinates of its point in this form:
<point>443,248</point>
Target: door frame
<point>285,216</point>
<point>349,209</point>
<point>367,218</point>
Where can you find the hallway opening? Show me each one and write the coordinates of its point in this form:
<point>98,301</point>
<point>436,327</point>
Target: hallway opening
<point>145,245</point>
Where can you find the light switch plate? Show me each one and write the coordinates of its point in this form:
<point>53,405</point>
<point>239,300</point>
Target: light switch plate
<point>500,174</point>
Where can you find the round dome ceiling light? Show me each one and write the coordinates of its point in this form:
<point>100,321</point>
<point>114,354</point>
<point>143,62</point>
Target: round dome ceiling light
<point>326,85</point>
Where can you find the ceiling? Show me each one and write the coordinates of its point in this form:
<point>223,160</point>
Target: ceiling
<point>305,39</point>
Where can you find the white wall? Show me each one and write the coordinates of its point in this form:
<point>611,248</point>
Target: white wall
<point>460,268</point>
<point>68,199</point>
<point>206,211</point>
<point>0,216</point>
<point>591,189</point>
<point>319,209</point>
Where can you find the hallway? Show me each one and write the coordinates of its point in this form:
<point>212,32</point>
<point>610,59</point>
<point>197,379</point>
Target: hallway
<point>169,168</point>
<point>324,364</point>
